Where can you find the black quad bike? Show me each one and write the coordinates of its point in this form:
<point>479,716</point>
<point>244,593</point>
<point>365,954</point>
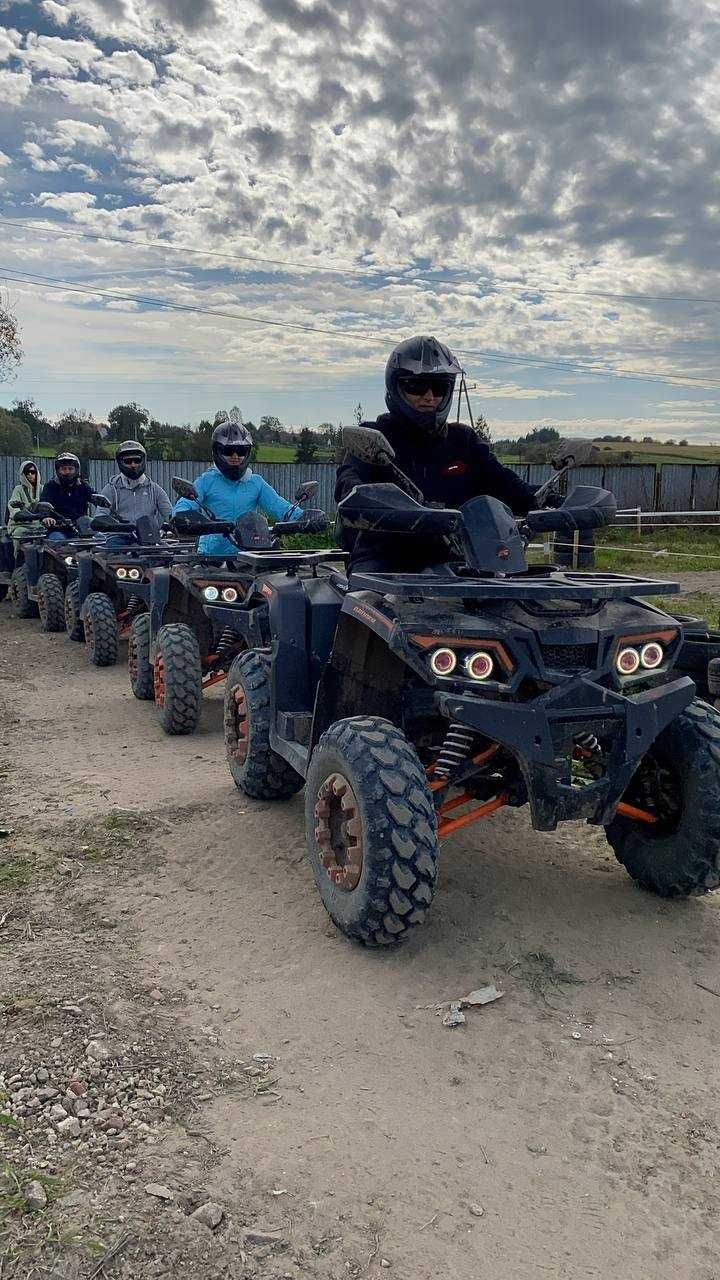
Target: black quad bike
<point>112,586</point>
<point>412,705</point>
<point>175,652</point>
<point>44,567</point>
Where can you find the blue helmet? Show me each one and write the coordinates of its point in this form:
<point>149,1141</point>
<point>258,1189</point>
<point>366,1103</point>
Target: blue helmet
<point>421,357</point>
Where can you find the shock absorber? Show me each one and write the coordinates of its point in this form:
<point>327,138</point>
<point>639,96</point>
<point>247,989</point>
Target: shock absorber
<point>134,604</point>
<point>228,640</point>
<point>457,747</point>
<point>587,742</point>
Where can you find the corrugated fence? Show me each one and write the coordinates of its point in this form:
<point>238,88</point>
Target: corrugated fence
<point>679,487</point>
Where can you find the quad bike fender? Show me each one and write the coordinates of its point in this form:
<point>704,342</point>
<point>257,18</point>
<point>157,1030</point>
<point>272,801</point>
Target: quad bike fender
<point>33,565</point>
<point>540,736</point>
<point>159,596</point>
<point>84,577</point>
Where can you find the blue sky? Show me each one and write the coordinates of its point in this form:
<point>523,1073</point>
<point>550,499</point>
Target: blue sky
<point>308,183</point>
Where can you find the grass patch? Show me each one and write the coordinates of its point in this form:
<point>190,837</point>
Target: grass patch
<point>541,973</point>
<point>15,873</point>
<point>627,551</point>
<point>699,603</point>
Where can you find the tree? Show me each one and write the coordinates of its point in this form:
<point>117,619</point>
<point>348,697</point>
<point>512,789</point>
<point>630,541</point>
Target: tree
<point>307,449</point>
<point>684,444</point>
<point>270,430</point>
<point>543,435</point>
<point>27,411</point>
<point>15,436</point>
<point>128,422</point>
<point>359,413</point>
<point>648,440</point>
<point>482,428</point>
<point>10,345</point>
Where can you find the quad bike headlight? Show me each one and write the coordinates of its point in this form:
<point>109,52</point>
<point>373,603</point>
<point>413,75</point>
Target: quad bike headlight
<point>69,559</point>
<point>134,574</point>
<point>211,593</point>
<point>627,661</point>
<point>230,595</point>
<point>121,573</point>
<point>652,655</point>
<point>443,662</point>
<point>479,666</point>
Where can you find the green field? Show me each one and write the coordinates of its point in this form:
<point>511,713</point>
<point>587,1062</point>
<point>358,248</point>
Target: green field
<point>264,453</point>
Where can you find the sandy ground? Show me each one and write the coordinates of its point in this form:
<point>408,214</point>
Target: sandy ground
<point>570,1129</point>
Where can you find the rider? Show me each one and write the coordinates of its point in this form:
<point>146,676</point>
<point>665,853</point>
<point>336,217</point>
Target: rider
<point>131,492</point>
<point>25,494</point>
<point>448,462</point>
<point>230,489</point>
<point>69,494</point>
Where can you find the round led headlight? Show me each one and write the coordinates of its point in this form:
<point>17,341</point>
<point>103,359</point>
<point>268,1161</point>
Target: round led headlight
<point>134,574</point>
<point>479,666</point>
<point>230,595</point>
<point>211,593</point>
<point>627,661</point>
<point>443,662</point>
<point>652,655</point>
<point>69,559</point>
<point>121,573</point>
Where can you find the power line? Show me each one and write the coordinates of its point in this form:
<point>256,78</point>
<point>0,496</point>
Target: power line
<point>35,280</point>
<point>507,286</point>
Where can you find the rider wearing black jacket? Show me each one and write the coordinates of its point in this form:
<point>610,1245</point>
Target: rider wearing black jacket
<point>68,493</point>
<point>448,463</point>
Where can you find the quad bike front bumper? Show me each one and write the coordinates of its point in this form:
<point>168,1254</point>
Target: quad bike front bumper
<point>542,734</point>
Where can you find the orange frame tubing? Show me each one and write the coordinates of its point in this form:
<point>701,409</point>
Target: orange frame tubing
<point>638,815</point>
<point>473,815</point>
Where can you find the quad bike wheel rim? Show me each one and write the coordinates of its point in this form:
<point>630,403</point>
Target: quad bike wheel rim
<point>339,832</point>
<point>159,681</point>
<point>241,723</point>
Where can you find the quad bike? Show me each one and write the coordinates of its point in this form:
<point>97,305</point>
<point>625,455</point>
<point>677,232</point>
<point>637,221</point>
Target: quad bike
<point>413,705</point>
<point>44,567</point>
<point>112,586</point>
<point>175,652</point>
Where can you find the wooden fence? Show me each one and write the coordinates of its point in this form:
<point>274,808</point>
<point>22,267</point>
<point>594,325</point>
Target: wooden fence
<point>681,487</point>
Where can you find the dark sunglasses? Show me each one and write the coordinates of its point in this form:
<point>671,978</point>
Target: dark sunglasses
<point>228,450</point>
<point>31,471</point>
<point>419,384</point>
<point>133,462</point>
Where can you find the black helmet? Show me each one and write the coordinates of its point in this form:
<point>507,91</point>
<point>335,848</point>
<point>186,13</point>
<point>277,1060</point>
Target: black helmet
<point>421,357</point>
<point>131,449</point>
<point>228,433</point>
<point>67,481</point>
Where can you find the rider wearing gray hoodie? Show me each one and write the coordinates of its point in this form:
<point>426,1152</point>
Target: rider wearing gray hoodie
<point>131,492</point>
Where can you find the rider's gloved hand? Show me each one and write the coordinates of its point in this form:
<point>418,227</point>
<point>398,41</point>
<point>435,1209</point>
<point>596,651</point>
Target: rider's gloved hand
<point>312,521</point>
<point>553,499</point>
<point>49,522</point>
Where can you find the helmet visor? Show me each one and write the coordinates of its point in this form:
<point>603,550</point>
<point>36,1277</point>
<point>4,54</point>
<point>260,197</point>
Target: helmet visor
<point>234,451</point>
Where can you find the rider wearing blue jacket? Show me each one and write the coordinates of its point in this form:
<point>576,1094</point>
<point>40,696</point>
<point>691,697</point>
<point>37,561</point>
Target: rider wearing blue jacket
<point>230,489</point>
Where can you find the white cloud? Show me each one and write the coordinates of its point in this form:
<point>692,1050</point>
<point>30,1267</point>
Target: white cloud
<point>14,87</point>
<point>127,66</point>
<point>38,160</point>
<point>10,39</point>
<point>4,159</point>
<point>78,133</point>
<point>68,201</point>
<point>57,12</point>
<point>56,55</point>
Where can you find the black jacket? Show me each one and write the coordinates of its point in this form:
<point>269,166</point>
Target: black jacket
<point>449,472</point>
<point>72,503</point>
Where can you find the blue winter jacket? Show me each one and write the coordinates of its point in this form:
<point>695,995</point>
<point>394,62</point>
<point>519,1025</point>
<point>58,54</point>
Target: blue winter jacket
<point>228,499</point>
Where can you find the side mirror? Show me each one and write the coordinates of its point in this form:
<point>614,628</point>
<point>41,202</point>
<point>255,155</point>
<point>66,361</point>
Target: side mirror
<point>305,491</point>
<point>574,453</point>
<point>99,500</point>
<point>368,444</point>
<point>183,488</point>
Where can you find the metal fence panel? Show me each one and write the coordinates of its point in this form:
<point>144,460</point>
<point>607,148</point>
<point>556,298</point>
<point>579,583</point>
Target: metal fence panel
<point>676,487</point>
<point>633,486</point>
<point>705,488</point>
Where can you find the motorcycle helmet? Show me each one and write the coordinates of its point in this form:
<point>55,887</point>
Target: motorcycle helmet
<point>67,481</point>
<point>415,365</point>
<point>231,436</point>
<point>131,459</point>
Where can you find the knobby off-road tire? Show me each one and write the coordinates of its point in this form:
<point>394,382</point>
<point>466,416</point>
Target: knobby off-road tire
<point>256,769</point>
<point>680,855</point>
<point>73,622</point>
<point>101,629</point>
<point>140,667</point>
<point>178,679</point>
<point>51,603</point>
<point>371,830</point>
<point>23,606</point>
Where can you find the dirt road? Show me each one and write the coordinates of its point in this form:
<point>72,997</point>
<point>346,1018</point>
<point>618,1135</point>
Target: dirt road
<point>572,1129</point>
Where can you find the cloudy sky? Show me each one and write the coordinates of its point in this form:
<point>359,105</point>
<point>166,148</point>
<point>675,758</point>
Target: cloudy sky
<point>304,183</point>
